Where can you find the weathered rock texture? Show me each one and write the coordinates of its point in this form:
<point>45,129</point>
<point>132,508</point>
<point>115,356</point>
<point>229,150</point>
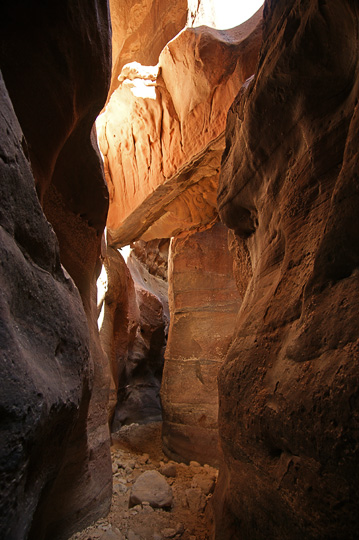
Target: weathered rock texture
<point>140,30</point>
<point>134,333</point>
<point>289,187</point>
<point>162,133</point>
<point>56,65</point>
<point>204,303</point>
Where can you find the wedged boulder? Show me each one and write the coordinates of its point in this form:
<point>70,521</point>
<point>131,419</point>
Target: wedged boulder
<point>162,132</point>
<point>204,303</point>
<point>289,187</point>
<point>45,346</point>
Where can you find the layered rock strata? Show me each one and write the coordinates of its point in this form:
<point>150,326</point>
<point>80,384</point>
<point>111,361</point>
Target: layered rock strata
<point>289,188</point>
<point>204,302</point>
<point>56,65</point>
<point>162,133</point>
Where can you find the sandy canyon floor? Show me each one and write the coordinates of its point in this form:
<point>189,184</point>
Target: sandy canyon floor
<point>136,449</point>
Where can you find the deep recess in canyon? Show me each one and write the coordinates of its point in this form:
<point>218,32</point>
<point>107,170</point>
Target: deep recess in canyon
<point>228,160</point>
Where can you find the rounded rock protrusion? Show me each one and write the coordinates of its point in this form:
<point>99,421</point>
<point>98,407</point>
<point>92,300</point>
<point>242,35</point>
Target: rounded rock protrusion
<point>151,487</point>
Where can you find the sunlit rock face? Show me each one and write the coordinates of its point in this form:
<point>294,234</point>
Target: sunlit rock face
<point>289,188</point>
<point>162,133</point>
<point>204,302</point>
<point>140,30</point>
<point>133,329</point>
<point>55,61</point>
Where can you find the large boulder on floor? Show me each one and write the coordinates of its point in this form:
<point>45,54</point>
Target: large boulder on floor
<point>289,188</point>
<point>151,487</point>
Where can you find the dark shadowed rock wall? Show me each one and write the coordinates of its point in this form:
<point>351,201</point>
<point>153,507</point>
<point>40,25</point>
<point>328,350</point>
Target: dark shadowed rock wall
<point>289,188</point>
<point>118,318</point>
<point>56,63</point>
<point>45,375</point>
<point>133,329</point>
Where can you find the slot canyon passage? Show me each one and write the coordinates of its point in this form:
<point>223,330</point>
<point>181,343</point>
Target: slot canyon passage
<point>218,364</point>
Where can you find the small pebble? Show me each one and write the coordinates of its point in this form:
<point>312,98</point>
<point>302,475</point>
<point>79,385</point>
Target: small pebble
<point>169,470</point>
<point>112,535</point>
<point>132,536</point>
<point>144,458</point>
<point>169,533</point>
<point>120,488</point>
<point>147,510</point>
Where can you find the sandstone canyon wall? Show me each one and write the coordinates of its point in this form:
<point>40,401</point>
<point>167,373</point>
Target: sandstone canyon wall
<point>162,136</point>
<point>162,132</point>
<point>204,302</point>
<point>133,329</point>
<point>118,317</point>
<point>289,188</point>
<point>140,30</point>
<point>45,374</point>
<point>288,388</point>
<point>56,63</point>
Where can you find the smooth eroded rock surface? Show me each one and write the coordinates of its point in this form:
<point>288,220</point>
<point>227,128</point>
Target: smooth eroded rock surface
<point>133,329</point>
<point>118,318</point>
<point>56,63</point>
<point>161,133</point>
<point>44,338</point>
<point>289,188</point>
<point>140,30</point>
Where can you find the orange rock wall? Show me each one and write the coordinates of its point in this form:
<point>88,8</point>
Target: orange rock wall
<point>118,321</point>
<point>45,370</point>
<point>204,303</point>
<point>141,30</point>
<point>289,188</point>
<point>162,132</point>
